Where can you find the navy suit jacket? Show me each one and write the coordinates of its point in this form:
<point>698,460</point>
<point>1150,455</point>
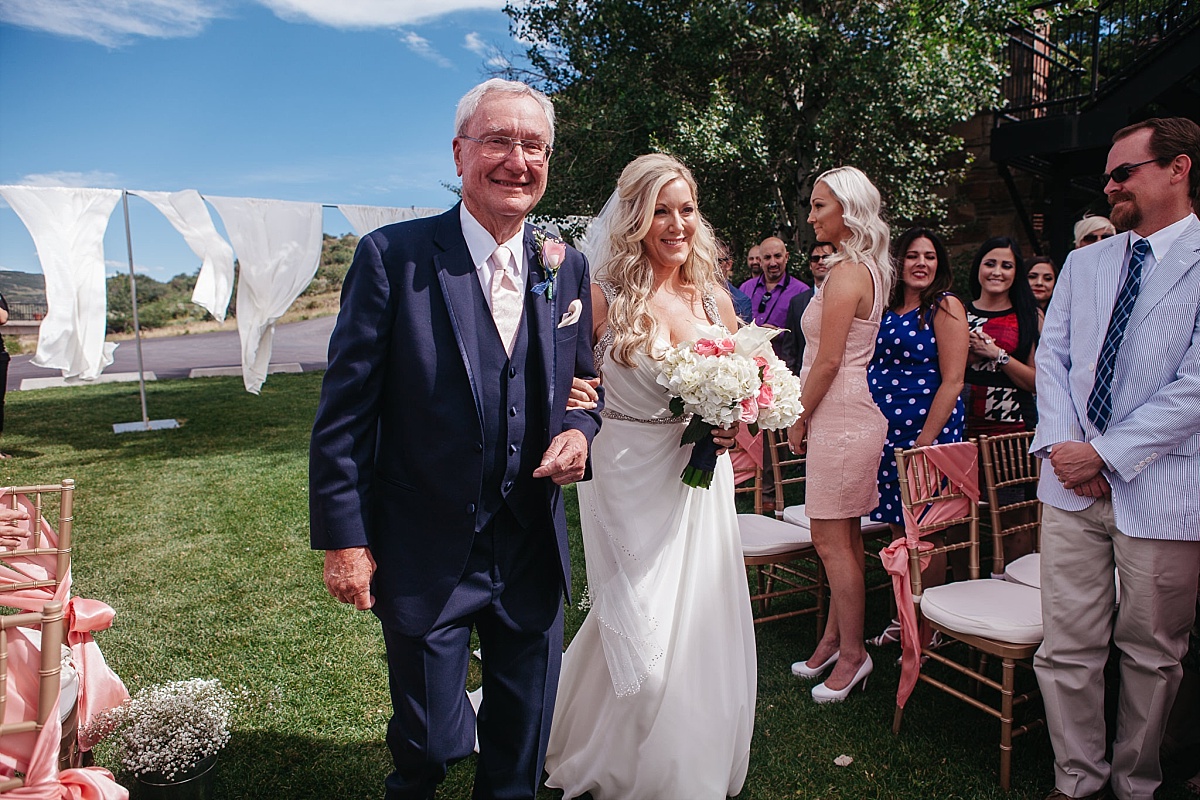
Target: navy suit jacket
<point>396,460</point>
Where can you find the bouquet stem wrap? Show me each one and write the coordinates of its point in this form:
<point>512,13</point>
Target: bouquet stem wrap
<point>703,464</point>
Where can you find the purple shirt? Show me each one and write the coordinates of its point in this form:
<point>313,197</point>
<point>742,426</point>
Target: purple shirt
<point>772,309</point>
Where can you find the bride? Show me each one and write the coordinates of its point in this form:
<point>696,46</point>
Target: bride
<point>656,698</point>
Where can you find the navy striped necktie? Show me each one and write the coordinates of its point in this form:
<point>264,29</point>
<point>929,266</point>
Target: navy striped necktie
<point>1099,407</point>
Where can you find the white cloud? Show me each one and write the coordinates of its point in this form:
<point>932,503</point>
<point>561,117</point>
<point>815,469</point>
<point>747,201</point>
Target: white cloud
<point>112,22</point>
<point>372,13</point>
<point>490,54</point>
<point>421,46</point>
<point>87,180</point>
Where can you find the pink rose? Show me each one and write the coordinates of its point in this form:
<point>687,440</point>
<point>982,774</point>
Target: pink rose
<point>766,396</point>
<point>714,347</point>
<point>749,410</point>
<point>553,254</point>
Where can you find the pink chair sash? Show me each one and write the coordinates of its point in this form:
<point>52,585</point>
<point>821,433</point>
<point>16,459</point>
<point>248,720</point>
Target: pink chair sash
<point>748,457</point>
<point>959,463</point>
<point>26,568</point>
<point>37,755</point>
<point>99,687</point>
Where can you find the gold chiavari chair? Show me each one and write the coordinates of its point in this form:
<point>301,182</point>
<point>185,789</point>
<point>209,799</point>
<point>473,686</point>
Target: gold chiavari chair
<point>991,617</point>
<point>1008,465</point>
<point>781,555</point>
<point>13,744</point>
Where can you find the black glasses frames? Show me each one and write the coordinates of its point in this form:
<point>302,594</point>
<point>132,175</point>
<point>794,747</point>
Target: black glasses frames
<point>762,304</point>
<point>1122,173</point>
<point>1091,238</point>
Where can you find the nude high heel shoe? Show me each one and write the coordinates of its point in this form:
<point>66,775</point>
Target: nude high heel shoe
<point>822,695</point>
<point>801,669</point>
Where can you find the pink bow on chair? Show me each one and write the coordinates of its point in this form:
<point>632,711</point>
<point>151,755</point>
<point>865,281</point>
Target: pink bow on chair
<point>959,463</point>
<point>99,687</point>
<point>37,757</point>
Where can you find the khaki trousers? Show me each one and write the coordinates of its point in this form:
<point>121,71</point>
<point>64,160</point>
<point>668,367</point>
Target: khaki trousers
<point>1080,550</point>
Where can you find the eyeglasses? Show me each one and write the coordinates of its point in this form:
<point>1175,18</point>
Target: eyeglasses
<point>1122,173</point>
<point>814,258</point>
<point>762,304</point>
<point>1091,238</point>
<point>498,147</point>
<point>724,259</point>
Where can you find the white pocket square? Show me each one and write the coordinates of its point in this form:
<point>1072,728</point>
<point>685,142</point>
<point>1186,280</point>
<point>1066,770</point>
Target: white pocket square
<point>572,315</point>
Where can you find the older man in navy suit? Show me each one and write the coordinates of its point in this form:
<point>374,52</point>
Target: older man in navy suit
<point>1118,389</point>
<point>440,445</point>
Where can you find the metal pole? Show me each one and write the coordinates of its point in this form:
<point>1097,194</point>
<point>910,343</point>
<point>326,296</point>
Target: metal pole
<point>137,331</point>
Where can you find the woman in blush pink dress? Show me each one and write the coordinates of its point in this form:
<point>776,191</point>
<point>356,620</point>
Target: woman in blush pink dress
<point>844,428</point>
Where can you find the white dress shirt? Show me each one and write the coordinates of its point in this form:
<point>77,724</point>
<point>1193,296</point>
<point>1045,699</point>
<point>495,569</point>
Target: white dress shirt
<point>482,245</point>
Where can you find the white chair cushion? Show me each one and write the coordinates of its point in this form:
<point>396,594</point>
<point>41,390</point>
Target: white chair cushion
<point>1026,570</point>
<point>764,536</point>
<point>993,609</point>
<point>68,679</point>
<point>795,515</point>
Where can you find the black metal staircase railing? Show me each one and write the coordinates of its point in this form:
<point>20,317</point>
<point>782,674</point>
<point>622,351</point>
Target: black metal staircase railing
<point>1070,60</point>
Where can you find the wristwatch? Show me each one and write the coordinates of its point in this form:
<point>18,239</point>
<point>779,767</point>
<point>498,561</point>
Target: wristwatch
<point>1003,357</point>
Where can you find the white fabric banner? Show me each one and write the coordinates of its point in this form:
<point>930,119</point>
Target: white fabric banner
<point>187,212</point>
<point>278,246</point>
<point>365,219</point>
<point>67,226</point>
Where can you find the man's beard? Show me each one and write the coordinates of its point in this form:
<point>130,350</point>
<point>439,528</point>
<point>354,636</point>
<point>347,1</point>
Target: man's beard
<point>1129,215</point>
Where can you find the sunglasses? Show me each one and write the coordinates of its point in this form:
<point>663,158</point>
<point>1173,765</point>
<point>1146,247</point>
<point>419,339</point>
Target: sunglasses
<point>1095,237</point>
<point>762,304</point>
<point>816,259</point>
<point>1122,173</point>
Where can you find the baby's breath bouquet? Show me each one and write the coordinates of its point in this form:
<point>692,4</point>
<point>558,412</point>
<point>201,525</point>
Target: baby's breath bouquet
<point>168,728</point>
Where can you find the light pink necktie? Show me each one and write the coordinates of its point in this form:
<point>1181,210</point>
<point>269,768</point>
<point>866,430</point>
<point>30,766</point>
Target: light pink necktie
<point>506,298</point>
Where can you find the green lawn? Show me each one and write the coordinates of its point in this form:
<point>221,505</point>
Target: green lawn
<point>198,537</point>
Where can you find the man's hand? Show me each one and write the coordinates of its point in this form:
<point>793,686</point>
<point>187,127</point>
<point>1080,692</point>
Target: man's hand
<point>1075,463</point>
<point>348,576</point>
<point>583,396</point>
<point>12,532</point>
<point>1096,487</point>
<point>566,458</point>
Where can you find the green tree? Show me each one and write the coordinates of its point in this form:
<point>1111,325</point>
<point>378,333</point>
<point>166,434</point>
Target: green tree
<point>760,98</point>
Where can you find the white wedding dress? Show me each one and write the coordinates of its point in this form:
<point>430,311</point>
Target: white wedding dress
<point>656,698</point>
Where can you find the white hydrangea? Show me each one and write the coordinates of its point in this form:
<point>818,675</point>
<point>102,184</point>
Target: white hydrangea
<point>785,387</point>
<point>714,386</point>
<point>710,386</point>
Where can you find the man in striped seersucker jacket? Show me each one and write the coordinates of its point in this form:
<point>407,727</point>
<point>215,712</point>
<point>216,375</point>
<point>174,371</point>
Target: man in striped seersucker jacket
<point>1118,384</point>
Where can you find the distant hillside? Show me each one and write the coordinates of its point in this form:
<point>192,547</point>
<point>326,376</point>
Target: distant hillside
<point>22,287</point>
<point>166,304</point>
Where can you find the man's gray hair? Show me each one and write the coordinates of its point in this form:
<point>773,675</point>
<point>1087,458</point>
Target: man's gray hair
<point>470,102</point>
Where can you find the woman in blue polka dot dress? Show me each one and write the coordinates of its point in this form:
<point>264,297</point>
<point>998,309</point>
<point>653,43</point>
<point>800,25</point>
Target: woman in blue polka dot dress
<point>916,376</point>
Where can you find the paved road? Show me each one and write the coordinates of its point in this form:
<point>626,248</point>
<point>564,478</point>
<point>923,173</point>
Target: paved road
<point>304,342</point>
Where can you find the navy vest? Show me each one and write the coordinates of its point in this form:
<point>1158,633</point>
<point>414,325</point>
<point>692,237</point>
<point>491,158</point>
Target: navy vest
<point>514,425</point>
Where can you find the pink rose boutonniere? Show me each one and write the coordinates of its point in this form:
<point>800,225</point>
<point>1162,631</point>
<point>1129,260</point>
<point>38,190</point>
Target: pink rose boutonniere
<point>551,254</point>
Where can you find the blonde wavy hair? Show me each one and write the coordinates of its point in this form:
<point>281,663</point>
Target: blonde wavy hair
<point>620,253</point>
<point>862,214</point>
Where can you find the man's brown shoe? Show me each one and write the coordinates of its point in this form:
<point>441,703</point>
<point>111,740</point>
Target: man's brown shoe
<point>1103,794</point>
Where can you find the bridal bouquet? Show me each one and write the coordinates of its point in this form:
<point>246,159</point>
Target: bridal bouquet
<point>722,378</point>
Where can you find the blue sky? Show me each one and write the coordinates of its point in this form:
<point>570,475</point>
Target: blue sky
<point>331,101</point>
